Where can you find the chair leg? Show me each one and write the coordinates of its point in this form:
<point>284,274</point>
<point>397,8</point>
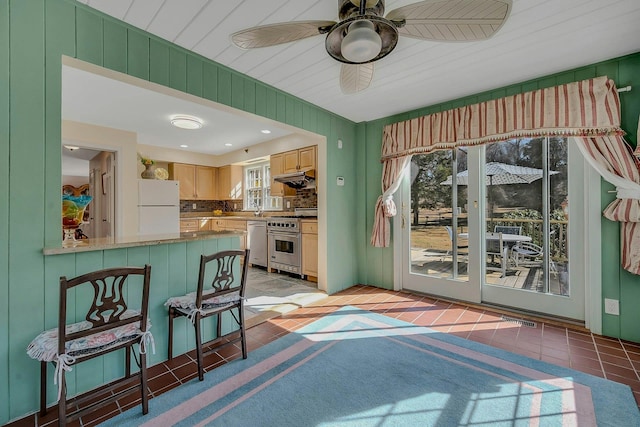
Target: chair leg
<point>171,316</point>
<point>143,384</point>
<point>199,347</point>
<point>243,335</point>
<point>43,388</point>
<point>62,402</point>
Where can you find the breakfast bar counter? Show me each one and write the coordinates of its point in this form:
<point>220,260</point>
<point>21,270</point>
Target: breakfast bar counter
<point>87,245</point>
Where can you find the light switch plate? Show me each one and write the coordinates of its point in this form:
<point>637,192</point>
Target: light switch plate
<point>340,181</point>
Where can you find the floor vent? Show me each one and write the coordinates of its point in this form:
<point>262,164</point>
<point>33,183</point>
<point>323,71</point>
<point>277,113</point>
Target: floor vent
<point>519,321</point>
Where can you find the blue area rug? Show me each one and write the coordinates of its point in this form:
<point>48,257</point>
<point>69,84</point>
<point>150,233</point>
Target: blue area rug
<point>355,368</point>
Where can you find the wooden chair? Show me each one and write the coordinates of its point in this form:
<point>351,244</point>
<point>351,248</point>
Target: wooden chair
<point>225,294</point>
<point>114,320</point>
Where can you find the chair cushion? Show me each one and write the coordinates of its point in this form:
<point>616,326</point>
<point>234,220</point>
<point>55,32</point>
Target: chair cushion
<point>44,347</point>
<point>188,301</point>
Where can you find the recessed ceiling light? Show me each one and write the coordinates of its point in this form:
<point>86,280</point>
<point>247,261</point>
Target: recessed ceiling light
<point>184,146</point>
<point>267,131</point>
<point>71,147</point>
<point>228,144</point>
<point>186,122</point>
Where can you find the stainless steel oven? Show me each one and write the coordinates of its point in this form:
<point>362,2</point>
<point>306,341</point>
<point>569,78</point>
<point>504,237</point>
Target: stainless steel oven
<point>284,244</point>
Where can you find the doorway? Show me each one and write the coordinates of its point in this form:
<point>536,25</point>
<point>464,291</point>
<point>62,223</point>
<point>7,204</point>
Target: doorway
<point>95,168</point>
<point>476,231</point>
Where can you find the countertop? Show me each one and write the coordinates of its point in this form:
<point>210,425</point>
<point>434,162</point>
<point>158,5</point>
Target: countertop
<point>127,242</point>
<point>248,217</point>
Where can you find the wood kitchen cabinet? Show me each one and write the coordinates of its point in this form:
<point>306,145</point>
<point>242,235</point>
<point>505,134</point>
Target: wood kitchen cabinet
<point>309,230</point>
<point>230,182</point>
<point>195,224</point>
<point>289,162</point>
<point>276,165</point>
<point>299,160</point>
<point>196,182</point>
<point>189,225</point>
<point>218,224</point>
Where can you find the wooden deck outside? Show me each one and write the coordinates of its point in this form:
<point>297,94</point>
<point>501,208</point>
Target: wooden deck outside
<point>440,264</point>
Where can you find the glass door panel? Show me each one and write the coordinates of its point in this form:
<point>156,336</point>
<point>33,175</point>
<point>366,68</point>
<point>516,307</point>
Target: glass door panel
<point>490,224</point>
<point>526,183</point>
<point>435,211</point>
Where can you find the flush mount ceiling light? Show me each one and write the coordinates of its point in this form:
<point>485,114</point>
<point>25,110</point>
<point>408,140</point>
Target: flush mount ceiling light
<point>265,131</point>
<point>184,146</point>
<point>186,122</point>
<point>71,147</point>
<point>228,144</point>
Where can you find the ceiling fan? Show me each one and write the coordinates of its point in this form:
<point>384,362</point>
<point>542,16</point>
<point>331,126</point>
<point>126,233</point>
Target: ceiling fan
<point>364,35</point>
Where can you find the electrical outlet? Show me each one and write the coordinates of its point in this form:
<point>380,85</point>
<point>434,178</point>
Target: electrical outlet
<point>612,306</point>
<point>194,206</point>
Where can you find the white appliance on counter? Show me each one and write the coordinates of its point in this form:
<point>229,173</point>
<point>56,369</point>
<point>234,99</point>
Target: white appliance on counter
<point>158,207</point>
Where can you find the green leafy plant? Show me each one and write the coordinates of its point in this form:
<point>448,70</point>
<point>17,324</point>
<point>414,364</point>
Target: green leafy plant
<point>145,161</point>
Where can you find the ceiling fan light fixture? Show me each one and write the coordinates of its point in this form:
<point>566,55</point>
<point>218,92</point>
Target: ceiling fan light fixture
<point>186,122</point>
<point>362,43</point>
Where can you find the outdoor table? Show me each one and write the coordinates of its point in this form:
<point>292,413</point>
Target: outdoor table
<point>509,239</point>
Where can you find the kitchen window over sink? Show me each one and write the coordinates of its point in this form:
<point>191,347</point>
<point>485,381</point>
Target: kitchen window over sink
<point>257,185</point>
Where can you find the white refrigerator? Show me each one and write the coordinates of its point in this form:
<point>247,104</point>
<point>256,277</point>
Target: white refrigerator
<point>158,207</point>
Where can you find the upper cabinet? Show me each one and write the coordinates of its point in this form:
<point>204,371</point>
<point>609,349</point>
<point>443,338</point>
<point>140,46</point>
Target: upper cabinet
<point>288,162</point>
<point>299,160</point>
<point>196,182</point>
<point>275,166</point>
<point>230,182</point>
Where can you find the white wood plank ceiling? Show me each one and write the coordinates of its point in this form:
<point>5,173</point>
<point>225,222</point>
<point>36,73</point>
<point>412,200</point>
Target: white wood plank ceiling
<point>540,37</point>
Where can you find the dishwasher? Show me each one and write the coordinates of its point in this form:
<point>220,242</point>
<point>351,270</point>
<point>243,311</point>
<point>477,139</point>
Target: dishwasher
<point>257,243</point>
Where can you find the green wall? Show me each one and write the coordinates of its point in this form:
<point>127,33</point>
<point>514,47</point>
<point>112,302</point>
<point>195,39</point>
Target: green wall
<point>616,282</point>
<point>34,34</point>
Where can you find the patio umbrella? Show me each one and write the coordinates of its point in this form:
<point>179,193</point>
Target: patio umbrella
<point>500,174</point>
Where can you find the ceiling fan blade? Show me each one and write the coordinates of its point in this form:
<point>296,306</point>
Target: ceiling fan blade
<point>355,77</point>
<point>274,34</point>
<point>452,20</point>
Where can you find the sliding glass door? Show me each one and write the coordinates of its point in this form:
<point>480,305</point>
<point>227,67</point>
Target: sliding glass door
<point>436,221</point>
<point>491,224</point>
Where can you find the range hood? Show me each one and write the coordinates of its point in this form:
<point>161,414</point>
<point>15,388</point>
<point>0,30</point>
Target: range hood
<point>302,179</point>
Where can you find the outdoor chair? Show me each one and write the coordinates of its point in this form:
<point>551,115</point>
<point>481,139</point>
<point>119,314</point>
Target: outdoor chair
<point>450,232</point>
<point>226,275</point>
<point>496,247</point>
<point>116,318</point>
<point>527,254</point>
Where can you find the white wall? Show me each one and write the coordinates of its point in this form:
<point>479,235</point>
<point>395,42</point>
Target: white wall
<point>124,144</point>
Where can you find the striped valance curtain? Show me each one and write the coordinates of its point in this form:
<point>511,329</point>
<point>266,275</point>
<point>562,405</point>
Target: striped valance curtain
<point>588,111</point>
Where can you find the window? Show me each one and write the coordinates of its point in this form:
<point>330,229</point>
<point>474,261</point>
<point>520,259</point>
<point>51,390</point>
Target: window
<point>257,192</point>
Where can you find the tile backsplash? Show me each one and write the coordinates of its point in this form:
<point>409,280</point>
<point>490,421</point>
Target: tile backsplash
<point>210,205</point>
<point>304,198</point>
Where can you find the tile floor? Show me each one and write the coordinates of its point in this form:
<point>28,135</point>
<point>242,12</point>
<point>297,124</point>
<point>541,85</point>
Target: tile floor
<point>554,343</point>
